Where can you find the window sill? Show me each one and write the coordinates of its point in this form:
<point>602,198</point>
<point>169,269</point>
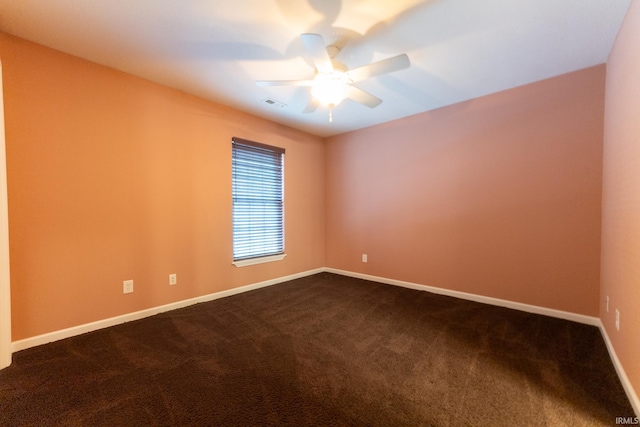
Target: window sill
<point>261,260</point>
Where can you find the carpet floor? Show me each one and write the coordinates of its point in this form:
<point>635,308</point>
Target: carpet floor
<point>323,350</point>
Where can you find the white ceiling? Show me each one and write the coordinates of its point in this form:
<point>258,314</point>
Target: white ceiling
<point>216,49</point>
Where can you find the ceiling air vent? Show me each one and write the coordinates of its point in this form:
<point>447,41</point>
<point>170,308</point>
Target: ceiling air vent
<point>273,103</point>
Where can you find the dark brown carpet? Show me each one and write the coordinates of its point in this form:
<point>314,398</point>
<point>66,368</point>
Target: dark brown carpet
<point>323,350</point>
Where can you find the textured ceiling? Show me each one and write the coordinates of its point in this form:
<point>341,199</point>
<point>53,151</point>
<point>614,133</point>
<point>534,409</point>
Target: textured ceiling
<point>216,49</point>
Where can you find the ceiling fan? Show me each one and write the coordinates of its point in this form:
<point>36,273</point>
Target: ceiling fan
<point>333,81</point>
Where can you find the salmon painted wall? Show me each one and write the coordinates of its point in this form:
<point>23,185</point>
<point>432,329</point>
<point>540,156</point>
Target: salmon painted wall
<point>621,197</point>
<point>499,196</point>
<point>111,177</point>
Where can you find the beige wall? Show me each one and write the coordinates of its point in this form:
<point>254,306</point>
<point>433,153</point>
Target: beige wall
<point>111,177</point>
<point>499,196</point>
<point>621,197</point>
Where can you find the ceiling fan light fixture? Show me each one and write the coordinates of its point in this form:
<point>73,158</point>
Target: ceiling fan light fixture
<point>333,81</point>
<point>330,88</point>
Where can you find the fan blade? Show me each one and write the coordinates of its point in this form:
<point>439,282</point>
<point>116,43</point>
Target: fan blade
<point>318,52</point>
<point>311,106</point>
<point>284,83</point>
<point>362,97</point>
<point>389,65</point>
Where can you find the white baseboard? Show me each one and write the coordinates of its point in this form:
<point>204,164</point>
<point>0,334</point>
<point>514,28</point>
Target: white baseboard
<point>628,388</point>
<point>94,326</point>
<point>580,318</point>
<point>105,323</point>
<point>593,321</point>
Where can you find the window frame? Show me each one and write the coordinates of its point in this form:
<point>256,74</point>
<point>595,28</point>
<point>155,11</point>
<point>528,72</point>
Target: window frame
<point>270,176</point>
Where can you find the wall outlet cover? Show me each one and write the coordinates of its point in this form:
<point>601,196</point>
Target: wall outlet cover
<point>127,286</point>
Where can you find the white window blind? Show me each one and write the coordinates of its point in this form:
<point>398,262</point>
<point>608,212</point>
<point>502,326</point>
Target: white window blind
<point>258,199</point>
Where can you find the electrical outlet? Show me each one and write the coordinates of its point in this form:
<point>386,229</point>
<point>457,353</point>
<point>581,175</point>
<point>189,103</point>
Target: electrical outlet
<point>127,286</point>
<point>606,300</point>
<point>617,320</point>
<point>173,279</point>
<point>364,257</point>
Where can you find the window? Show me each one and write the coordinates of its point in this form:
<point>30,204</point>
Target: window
<point>258,202</point>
